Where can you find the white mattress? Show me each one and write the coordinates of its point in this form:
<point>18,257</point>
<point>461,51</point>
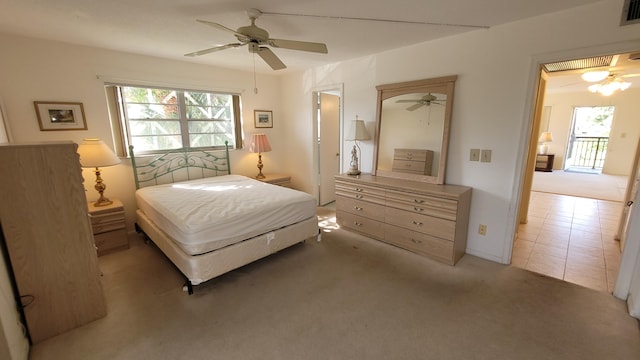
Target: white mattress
<point>208,214</point>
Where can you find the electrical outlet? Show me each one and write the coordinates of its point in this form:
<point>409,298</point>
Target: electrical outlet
<point>482,229</point>
<point>485,156</point>
<point>474,155</point>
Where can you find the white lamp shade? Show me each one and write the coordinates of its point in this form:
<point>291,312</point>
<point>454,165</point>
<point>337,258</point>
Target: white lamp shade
<point>357,131</point>
<point>259,143</point>
<point>95,153</point>
<point>545,137</point>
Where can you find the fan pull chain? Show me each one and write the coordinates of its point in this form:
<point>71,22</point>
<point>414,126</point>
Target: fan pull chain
<point>255,85</point>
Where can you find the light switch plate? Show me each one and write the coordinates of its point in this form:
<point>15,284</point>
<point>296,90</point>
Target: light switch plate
<point>474,155</point>
<point>485,156</point>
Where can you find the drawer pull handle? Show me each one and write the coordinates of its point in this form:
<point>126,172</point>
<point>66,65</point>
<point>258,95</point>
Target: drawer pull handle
<point>359,196</point>
<point>357,223</point>
<point>416,241</point>
<point>359,189</point>
<point>418,201</point>
<point>357,208</point>
<point>415,208</point>
<point>417,223</point>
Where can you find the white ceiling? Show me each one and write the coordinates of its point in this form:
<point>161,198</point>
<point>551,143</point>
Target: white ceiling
<point>167,28</point>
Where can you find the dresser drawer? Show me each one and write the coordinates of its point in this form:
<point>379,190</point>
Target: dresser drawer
<point>108,226</point>
<point>359,207</point>
<point>439,249</point>
<point>429,205</point>
<point>110,241</point>
<point>411,154</point>
<point>108,217</point>
<point>425,224</point>
<point>360,224</point>
<point>415,167</point>
<point>360,192</point>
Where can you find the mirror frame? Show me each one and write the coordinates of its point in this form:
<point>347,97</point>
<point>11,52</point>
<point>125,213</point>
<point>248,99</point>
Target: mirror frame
<point>443,85</point>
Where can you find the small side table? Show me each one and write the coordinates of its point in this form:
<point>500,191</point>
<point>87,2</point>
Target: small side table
<point>109,227</point>
<point>277,179</point>
<point>544,162</point>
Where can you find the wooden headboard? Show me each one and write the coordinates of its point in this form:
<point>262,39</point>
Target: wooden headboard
<point>179,165</point>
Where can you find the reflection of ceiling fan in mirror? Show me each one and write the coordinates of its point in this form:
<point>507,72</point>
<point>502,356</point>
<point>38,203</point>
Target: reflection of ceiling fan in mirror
<point>258,39</point>
<point>426,100</point>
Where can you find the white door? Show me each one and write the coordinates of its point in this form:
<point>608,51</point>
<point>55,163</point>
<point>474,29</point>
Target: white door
<point>632,189</point>
<point>328,146</point>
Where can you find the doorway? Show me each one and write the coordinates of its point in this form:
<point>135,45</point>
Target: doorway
<point>568,237</point>
<point>327,119</point>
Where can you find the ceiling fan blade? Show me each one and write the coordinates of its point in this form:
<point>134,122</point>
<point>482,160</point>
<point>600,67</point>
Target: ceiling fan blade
<point>414,107</point>
<point>299,45</point>
<point>407,101</point>
<point>629,75</point>
<point>219,26</point>
<point>210,50</point>
<point>270,58</point>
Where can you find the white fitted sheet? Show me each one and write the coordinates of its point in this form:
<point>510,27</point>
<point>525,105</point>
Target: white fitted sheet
<point>208,214</point>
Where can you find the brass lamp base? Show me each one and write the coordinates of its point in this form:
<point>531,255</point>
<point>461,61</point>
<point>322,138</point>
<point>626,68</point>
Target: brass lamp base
<point>101,187</point>
<point>260,166</point>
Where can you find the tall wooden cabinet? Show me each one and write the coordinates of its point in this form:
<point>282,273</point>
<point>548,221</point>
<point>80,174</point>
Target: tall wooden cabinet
<point>44,218</point>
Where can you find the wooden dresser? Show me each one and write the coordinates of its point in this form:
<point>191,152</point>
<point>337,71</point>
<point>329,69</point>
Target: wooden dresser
<point>413,161</point>
<point>430,220</point>
<point>44,218</point>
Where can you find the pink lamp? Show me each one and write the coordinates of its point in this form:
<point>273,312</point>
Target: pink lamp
<point>259,144</point>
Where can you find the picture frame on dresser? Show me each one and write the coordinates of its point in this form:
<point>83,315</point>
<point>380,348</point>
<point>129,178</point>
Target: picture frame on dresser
<point>55,115</point>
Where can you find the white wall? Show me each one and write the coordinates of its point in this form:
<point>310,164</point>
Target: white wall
<point>37,70</point>
<point>497,74</point>
<point>625,131</point>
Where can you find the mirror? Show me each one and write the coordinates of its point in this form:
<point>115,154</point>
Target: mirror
<point>412,129</point>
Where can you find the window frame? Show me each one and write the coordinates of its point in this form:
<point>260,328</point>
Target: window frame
<point>120,120</point>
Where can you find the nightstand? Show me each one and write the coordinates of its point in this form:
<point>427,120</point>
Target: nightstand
<point>544,162</point>
<point>277,179</point>
<point>109,227</point>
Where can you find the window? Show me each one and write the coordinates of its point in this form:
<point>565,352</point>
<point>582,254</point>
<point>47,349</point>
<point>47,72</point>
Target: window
<point>157,119</point>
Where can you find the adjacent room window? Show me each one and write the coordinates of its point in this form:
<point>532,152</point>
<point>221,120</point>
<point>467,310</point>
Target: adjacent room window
<point>158,119</point>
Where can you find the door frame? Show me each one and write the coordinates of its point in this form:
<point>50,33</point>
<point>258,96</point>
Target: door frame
<point>631,254</point>
<point>339,89</point>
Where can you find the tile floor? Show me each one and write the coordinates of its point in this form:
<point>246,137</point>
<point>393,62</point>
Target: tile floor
<point>570,238</point>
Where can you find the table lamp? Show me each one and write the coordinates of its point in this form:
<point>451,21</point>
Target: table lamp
<point>259,144</point>
<point>94,153</point>
<point>358,131</point>
<point>545,138</point>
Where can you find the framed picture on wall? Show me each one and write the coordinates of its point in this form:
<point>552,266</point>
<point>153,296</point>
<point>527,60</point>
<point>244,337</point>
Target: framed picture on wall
<point>263,118</point>
<point>54,116</point>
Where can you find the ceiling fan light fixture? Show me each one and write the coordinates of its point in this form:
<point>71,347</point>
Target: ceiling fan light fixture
<point>593,76</point>
<point>608,87</point>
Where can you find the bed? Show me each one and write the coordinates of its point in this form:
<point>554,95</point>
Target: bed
<point>208,221</point>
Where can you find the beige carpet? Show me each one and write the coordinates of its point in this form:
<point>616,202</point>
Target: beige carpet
<point>346,297</point>
<point>594,186</point>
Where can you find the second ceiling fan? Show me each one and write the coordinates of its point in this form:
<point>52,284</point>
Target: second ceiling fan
<point>426,100</point>
<point>258,40</point>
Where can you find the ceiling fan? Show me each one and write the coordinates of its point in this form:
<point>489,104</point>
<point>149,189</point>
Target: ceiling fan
<point>426,100</point>
<point>257,40</point>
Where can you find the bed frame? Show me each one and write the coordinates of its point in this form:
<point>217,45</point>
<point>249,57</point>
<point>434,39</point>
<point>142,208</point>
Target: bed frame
<point>188,164</point>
